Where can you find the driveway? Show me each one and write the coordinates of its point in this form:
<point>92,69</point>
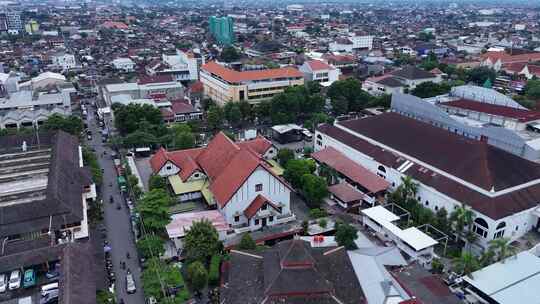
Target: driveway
<point>118,222</point>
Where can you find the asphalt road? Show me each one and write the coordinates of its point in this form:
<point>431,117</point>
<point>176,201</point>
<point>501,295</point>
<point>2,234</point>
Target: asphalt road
<point>118,223</point>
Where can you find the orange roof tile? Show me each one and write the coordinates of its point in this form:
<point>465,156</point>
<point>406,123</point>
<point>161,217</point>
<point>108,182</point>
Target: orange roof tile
<point>317,65</point>
<point>236,76</point>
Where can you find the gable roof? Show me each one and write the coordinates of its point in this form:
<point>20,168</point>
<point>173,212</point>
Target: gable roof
<point>411,72</point>
<point>256,204</point>
<point>344,165</point>
<point>227,164</point>
<point>317,65</point>
<point>522,115</point>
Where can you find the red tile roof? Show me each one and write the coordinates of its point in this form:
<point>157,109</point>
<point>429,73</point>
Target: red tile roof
<point>346,193</point>
<point>259,144</point>
<point>145,79</point>
<point>344,165</point>
<point>181,107</point>
<point>507,58</point>
<point>317,65</point>
<point>519,114</point>
<point>236,76</point>
<point>227,164</point>
<point>115,25</point>
<point>256,205</point>
<point>196,87</point>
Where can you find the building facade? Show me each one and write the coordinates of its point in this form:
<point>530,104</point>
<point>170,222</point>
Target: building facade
<point>224,85</point>
<point>222,29</point>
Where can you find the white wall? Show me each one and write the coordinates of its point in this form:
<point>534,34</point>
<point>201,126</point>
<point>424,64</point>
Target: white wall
<point>273,189</point>
<point>168,169</point>
<point>524,220</point>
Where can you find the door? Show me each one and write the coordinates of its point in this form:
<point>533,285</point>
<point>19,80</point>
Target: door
<point>263,222</point>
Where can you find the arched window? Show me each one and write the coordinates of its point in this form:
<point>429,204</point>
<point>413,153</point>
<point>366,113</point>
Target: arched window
<point>382,169</point>
<point>480,227</point>
<point>319,136</point>
<point>499,231</point>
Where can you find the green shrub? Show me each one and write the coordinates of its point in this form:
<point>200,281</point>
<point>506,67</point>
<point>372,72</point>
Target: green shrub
<point>247,243</point>
<point>213,272</point>
<point>323,223</point>
<point>316,213</point>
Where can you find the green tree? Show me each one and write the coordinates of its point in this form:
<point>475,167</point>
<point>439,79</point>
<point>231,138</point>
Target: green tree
<point>426,36</point>
<point>157,182</point>
<point>154,210</point>
<point>502,248</point>
<point>323,223</point>
<point>329,173</point>
<point>442,221</point>
<point>105,297</point>
<point>431,89</point>
<point>296,168</point>
<point>340,105</point>
<point>139,138</point>
<point>479,75</point>
<point>197,275</point>
<point>348,90</point>
<point>229,54</point>
<point>462,218</point>
<point>128,118</point>
<point>466,264</point>
<point>345,235</point>
<point>151,245</point>
<point>314,188</point>
<point>247,243</point>
<point>90,159</point>
<point>284,156</point>
<point>232,113</point>
<point>182,137</point>
<point>70,124</point>
<point>201,241</point>
<point>158,276</point>
<point>214,117</point>
<point>246,110</point>
<point>532,89</point>
<point>213,270</point>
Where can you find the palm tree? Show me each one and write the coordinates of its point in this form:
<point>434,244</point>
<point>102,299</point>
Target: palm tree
<point>487,258</point>
<point>462,218</point>
<point>409,188</point>
<point>502,248</point>
<point>466,264</point>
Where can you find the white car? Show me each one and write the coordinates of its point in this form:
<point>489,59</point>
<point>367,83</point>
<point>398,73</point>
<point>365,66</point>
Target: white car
<point>3,282</point>
<point>14,280</point>
<point>130,283</point>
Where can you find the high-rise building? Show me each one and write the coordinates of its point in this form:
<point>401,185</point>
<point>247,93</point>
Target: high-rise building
<point>221,29</point>
<point>14,20</point>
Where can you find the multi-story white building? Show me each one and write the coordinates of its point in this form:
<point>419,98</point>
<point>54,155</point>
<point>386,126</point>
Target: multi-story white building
<point>159,88</point>
<point>124,64</point>
<point>224,85</point>
<point>63,60</point>
<point>319,71</point>
<point>349,44</point>
<point>30,103</point>
<point>237,178</point>
<point>451,170</point>
<point>182,66</point>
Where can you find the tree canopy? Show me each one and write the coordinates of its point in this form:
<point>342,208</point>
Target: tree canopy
<point>347,96</point>
<point>128,118</point>
<point>345,235</point>
<point>296,168</point>
<point>151,245</point>
<point>284,156</point>
<point>154,210</point>
<point>201,241</point>
<point>70,124</point>
<point>229,54</point>
<point>157,182</point>
<point>314,188</point>
<point>431,89</point>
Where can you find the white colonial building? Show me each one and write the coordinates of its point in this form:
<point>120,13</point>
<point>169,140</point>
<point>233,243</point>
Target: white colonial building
<point>236,178</point>
<point>451,170</point>
<point>319,71</point>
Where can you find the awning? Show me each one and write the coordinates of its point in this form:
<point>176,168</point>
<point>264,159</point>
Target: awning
<point>179,187</point>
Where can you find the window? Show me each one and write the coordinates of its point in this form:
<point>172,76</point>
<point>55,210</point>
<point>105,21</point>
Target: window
<point>382,169</point>
<point>264,207</point>
<point>196,175</point>
<point>280,209</point>
<point>499,234</point>
<point>169,167</point>
<point>256,221</point>
<point>237,218</point>
<point>480,227</point>
<point>319,143</point>
<point>271,219</point>
<point>436,208</point>
<point>427,203</point>
<point>258,187</point>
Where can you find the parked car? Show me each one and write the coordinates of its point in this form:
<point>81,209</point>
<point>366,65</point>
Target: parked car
<point>130,283</point>
<point>50,298</point>
<point>29,278</point>
<point>51,274</point>
<point>14,280</point>
<point>48,288</point>
<point>3,282</point>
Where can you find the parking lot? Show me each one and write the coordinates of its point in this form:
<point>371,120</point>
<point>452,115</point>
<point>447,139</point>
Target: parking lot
<point>13,296</point>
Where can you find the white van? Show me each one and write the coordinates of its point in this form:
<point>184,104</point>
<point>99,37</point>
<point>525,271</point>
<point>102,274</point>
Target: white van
<point>45,289</point>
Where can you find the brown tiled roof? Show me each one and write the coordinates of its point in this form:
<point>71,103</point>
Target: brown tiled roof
<point>346,193</point>
<point>459,158</point>
<point>236,76</point>
<point>317,65</point>
<point>522,115</point>
<point>256,205</point>
<point>352,170</point>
